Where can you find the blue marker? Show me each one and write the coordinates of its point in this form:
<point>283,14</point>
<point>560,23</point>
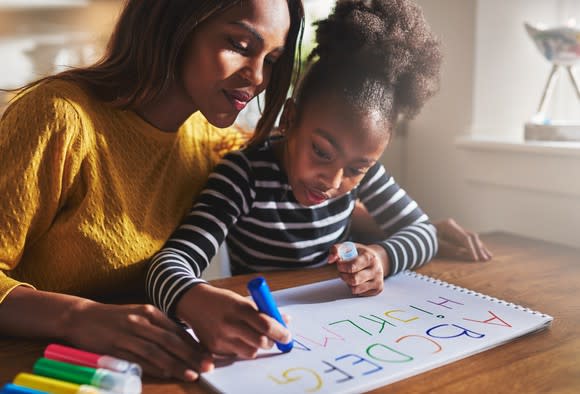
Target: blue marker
<point>263,298</point>
<point>10,388</point>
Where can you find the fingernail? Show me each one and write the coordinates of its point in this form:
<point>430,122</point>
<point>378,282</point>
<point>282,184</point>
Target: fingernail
<point>190,376</point>
<point>207,366</point>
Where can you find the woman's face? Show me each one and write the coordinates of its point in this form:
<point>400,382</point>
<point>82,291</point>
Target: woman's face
<point>230,57</point>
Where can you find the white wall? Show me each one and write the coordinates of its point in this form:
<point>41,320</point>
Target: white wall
<point>490,88</point>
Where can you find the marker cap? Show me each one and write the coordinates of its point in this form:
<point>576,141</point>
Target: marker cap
<point>102,378</point>
<point>69,354</point>
<point>347,251</point>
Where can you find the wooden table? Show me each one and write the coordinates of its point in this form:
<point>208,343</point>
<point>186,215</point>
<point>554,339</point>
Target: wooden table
<point>540,275</point>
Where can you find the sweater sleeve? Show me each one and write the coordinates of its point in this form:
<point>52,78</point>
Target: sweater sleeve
<point>36,133</point>
<point>178,265</point>
<point>411,240</point>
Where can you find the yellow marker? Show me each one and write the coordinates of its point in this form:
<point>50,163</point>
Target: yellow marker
<point>55,386</point>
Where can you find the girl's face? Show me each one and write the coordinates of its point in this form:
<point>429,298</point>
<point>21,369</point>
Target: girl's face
<point>230,57</point>
<point>328,153</point>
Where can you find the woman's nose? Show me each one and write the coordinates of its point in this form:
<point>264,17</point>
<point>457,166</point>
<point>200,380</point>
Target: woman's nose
<point>254,71</point>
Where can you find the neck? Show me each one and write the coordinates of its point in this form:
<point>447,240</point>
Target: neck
<point>281,152</point>
<point>168,111</point>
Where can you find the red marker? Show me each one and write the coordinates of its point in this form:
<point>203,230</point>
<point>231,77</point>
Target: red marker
<point>93,360</point>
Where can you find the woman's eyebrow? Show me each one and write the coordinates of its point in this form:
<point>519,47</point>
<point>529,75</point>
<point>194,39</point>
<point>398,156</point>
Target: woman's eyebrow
<point>257,36</point>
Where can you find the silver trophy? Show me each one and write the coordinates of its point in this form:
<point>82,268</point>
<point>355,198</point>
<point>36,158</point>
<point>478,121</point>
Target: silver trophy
<point>561,47</point>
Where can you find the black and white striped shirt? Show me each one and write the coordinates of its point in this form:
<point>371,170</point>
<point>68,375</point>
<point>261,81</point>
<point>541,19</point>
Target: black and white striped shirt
<point>249,200</point>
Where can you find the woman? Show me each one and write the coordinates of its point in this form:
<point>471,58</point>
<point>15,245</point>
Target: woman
<point>100,164</point>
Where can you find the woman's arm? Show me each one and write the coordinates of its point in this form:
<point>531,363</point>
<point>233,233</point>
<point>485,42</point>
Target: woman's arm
<point>454,241</point>
<point>458,243</point>
<point>138,333</point>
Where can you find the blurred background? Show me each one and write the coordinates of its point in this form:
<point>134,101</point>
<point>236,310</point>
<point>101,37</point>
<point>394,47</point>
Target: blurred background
<point>464,156</point>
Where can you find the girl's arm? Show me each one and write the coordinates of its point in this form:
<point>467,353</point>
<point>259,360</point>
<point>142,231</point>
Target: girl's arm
<point>224,321</point>
<point>402,236</point>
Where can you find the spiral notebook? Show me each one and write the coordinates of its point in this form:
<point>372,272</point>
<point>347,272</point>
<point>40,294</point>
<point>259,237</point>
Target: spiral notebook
<point>346,344</point>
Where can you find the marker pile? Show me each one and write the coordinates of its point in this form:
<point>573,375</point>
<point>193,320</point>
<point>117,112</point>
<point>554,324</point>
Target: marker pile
<point>66,370</point>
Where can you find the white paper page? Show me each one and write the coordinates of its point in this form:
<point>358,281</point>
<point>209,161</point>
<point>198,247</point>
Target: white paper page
<point>351,344</point>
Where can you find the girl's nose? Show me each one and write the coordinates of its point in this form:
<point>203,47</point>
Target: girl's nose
<point>333,179</point>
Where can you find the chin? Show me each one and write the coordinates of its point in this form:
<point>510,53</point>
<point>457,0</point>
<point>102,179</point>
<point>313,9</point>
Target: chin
<point>221,120</point>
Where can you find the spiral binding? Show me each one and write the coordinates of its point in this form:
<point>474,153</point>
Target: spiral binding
<point>474,293</point>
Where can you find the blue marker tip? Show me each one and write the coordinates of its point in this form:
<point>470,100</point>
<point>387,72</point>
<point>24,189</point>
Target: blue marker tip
<point>263,298</point>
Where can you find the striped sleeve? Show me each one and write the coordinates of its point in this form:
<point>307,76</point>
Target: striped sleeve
<point>178,265</point>
<point>411,239</point>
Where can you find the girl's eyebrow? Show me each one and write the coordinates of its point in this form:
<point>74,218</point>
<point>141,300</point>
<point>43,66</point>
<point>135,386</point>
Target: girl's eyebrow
<point>327,136</point>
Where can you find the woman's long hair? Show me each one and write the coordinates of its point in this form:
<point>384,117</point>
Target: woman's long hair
<point>142,57</point>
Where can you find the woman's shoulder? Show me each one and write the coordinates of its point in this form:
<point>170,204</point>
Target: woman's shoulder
<point>52,98</point>
<point>219,140</point>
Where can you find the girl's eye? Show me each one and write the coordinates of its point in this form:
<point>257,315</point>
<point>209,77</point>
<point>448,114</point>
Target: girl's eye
<point>356,171</point>
<point>320,153</point>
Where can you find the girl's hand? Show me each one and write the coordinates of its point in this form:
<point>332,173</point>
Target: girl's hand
<point>227,323</point>
<point>458,243</point>
<point>364,274</point>
<point>140,334</point>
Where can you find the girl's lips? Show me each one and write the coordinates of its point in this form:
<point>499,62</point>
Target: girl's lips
<point>315,197</point>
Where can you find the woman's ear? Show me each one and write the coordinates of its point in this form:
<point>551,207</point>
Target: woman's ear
<point>288,116</point>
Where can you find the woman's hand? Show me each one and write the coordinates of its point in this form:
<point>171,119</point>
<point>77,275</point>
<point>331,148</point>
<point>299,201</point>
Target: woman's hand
<point>228,324</point>
<point>364,274</point>
<point>138,333</point>
<point>458,243</point>
<point>141,334</point>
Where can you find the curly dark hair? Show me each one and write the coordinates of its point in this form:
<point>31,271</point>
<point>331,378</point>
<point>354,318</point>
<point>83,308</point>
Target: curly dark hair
<point>377,55</point>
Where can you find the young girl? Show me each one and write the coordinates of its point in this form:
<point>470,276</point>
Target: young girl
<point>285,202</point>
<point>100,164</point>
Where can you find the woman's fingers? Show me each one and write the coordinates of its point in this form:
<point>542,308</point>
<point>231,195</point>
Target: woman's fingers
<point>138,333</point>
<point>154,360</point>
<point>151,324</point>
<point>456,242</point>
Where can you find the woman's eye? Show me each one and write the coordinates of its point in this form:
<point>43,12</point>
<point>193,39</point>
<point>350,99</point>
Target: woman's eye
<point>270,60</point>
<point>238,46</point>
<point>320,153</point>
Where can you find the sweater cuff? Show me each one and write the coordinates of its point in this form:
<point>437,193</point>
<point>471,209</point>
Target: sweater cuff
<point>8,284</point>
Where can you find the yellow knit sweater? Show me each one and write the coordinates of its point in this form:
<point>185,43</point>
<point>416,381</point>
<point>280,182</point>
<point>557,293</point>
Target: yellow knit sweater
<point>88,192</point>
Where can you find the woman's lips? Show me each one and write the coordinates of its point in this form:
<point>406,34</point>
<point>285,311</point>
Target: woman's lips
<point>238,99</point>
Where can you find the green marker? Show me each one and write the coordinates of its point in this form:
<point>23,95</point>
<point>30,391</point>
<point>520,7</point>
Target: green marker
<point>102,378</point>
